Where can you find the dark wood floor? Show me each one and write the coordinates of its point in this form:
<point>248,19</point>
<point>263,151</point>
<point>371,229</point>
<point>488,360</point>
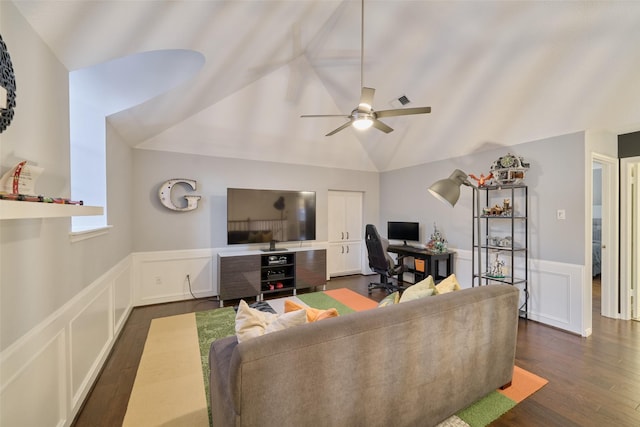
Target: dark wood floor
<point>593,381</point>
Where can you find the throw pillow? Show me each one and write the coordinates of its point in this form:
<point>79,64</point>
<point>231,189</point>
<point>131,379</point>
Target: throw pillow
<point>448,285</point>
<point>313,314</point>
<point>251,323</point>
<point>424,288</point>
<point>390,299</point>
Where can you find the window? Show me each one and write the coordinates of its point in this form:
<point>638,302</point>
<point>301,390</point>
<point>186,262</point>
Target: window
<point>98,91</point>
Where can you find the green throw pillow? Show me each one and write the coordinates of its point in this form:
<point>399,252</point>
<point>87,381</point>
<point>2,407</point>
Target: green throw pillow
<point>425,288</point>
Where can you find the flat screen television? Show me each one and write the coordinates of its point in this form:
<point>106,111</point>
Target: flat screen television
<point>407,231</point>
<point>264,216</point>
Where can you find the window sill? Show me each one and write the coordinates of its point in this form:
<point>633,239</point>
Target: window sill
<point>78,236</point>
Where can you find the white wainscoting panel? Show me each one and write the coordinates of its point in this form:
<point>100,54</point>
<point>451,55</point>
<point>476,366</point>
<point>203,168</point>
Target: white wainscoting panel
<point>462,267</point>
<point>555,291</point>
<point>89,333</point>
<point>555,295</point>
<point>33,394</point>
<point>162,276</point>
<point>122,297</point>
<point>49,371</point>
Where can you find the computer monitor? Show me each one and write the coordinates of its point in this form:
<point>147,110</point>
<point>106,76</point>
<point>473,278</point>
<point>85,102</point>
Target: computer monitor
<point>402,230</point>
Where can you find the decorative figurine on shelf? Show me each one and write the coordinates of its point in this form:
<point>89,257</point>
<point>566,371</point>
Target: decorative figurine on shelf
<point>509,169</point>
<point>497,268</point>
<point>437,244</point>
<point>497,210</point>
<point>482,180</point>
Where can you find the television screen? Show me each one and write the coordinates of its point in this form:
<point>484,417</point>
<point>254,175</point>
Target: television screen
<point>397,230</point>
<point>262,216</point>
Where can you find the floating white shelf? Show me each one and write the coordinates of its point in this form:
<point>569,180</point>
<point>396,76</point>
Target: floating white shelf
<point>11,209</point>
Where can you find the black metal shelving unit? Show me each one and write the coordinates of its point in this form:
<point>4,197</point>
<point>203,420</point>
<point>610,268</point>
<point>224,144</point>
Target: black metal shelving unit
<point>500,246</point>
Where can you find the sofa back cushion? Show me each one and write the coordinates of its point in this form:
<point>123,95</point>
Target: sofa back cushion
<point>339,370</point>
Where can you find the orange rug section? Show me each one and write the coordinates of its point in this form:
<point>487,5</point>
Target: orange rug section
<point>351,299</point>
<point>523,385</point>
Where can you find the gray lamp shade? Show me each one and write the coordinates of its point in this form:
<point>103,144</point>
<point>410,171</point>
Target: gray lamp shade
<point>448,189</point>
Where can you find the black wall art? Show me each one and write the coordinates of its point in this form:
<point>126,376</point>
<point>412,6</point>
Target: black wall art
<point>8,82</point>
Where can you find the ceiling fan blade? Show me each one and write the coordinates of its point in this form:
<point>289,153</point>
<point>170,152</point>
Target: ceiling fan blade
<point>366,99</point>
<point>344,126</point>
<point>403,111</point>
<point>326,115</point>
<point>381,126</point>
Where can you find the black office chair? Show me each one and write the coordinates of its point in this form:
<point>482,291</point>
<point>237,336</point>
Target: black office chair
<point>381,262</point>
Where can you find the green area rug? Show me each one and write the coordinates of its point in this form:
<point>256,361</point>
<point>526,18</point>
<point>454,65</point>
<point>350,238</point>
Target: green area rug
<point>220,323</point>
<point>213,325</point>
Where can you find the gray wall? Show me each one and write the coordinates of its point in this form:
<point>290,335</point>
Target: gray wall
<point>40,270</point>
<point>554,180</point>
<point>158,228</point>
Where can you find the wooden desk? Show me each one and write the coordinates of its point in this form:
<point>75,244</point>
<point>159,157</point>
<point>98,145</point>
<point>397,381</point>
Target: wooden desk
<point>431,260</point>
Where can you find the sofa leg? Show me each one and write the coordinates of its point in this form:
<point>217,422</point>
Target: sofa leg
<point>507,385</point>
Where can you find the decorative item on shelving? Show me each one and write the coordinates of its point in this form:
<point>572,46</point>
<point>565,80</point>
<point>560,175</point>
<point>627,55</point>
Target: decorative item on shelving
<point>21,179</point>
<point>437,244</point>
<point>7,87</point>
<point>506,242</point>
<point>497,268</point>
<point>509,169</point>
<point>482,181</point>
<point>18,184</point>
<point>497,210</point>
<point>503,242</point>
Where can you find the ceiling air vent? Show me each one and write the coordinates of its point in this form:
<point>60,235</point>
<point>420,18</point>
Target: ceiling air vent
<point>399,102</point>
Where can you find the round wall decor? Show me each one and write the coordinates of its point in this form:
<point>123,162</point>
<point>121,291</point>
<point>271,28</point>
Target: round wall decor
<point>8,83</point>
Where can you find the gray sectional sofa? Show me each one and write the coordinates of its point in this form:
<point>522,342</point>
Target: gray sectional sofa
<point>409,364</point>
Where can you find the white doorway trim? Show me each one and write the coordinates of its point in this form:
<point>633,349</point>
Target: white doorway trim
<point>629,237</point>
<point>610,227</point>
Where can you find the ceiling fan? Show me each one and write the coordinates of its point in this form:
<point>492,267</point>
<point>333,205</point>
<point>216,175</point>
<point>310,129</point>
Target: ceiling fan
<point>364,116</point>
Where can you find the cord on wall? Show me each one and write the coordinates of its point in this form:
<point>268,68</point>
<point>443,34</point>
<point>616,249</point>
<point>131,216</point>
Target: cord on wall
<point>190,291</point>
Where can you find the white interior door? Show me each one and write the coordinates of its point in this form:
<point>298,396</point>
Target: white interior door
<point>634,213</point>
<point>345,232</point>
<point>609,236</point>
<point>630,238</point>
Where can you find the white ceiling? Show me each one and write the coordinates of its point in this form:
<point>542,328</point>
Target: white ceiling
<point>496,73</point>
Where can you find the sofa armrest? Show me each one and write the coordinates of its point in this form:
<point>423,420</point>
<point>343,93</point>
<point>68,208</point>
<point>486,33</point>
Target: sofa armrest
<point>220,354</point>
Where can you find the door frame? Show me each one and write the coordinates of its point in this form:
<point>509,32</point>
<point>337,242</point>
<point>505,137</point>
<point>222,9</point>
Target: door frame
<point>629,246</point>
<point>610,232</point>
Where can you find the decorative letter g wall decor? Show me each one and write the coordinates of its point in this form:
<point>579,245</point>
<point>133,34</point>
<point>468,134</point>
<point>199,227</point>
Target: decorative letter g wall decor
<point>165,195</point>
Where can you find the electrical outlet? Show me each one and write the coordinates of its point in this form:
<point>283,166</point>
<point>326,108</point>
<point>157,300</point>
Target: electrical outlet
<point>561,214</point>
<point>158,281</point>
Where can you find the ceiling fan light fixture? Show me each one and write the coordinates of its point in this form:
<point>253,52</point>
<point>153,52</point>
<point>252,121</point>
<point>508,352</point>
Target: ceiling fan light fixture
<point>361,120</point>
<point>364,116</point>
<point>362,123</point>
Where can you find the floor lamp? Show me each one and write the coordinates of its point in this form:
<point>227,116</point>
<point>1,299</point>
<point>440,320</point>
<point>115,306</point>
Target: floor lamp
<point>447,190</point>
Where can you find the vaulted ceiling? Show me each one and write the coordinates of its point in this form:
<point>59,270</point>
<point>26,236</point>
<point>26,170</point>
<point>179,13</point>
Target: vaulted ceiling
<point>233,77</point>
